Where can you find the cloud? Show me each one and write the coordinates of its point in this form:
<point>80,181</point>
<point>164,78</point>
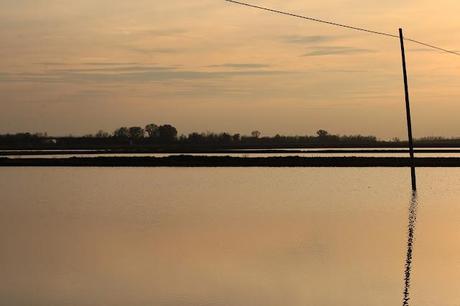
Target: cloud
<point>131,74</point>
<point>114,68</point>
<point>151,32</point>
<point>165,32</point>
<point>240,66</point>
<point>153,50</point>
<point>336,50</point>
<point>300,39</point>
<point>318,49</point>
<point>108,64</point>
<point>86,64</point>
<point>51,63</point>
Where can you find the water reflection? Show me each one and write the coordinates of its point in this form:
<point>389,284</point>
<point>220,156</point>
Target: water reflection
<point>218,236</point>
<point>410,247</point>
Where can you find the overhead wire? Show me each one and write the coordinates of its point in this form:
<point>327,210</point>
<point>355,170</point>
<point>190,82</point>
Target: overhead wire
<point>340,25</point>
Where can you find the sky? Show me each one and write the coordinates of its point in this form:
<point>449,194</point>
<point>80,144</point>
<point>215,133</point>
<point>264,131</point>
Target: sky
<point>75,67</point>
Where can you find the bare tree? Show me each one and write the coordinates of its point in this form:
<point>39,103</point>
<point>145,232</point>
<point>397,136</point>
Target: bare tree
<point>255,134</point>
<point>322,133</point>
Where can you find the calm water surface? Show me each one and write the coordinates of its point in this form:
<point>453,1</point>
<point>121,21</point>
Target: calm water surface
<point>225,236</point>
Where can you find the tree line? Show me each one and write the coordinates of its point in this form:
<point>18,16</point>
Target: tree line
<point>162,133</point>
<point>167,136</point>
<point>167,133</point>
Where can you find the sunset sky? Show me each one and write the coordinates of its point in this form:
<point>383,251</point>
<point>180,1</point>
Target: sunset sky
<point>74,67</point>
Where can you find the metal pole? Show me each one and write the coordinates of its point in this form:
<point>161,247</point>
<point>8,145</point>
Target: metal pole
<point>408,115</point>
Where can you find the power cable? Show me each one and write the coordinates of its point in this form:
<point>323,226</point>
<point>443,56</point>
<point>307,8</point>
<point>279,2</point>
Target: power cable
<point>340,25</point>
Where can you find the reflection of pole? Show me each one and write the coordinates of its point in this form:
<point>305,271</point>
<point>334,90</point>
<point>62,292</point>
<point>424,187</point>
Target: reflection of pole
<point>410,248</point>
<point>409,122</point>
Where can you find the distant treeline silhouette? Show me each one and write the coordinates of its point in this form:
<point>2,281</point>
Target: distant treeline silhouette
<point>166,137</point>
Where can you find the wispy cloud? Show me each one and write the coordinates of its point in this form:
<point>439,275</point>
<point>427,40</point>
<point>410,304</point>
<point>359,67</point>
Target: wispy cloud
<point>240,66</point>
<point>153,50</point>
<point>109,63</point>
<point>151,32</point>
<point>318,47</point>
<point>164,32</point>
<point>308,39</point>
<point>86,63</point>
<point>131,74</point>
<point>336,50</point>
<point>114,69</point>
<point>52,63</point>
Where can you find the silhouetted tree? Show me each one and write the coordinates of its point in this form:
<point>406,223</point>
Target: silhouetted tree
<point>322,133</point>
<point>102,134</point>
<point>255,134</point>
<point>195,138</point>
<point>152,130</point>
<point>225,138</point>
<point>136,132</point>
<point>167,133</point>
<point>122,132</point>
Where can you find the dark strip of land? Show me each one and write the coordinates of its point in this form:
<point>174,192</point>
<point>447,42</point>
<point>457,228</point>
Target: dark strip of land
<point>227,161</point>
<point>234,151</point>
